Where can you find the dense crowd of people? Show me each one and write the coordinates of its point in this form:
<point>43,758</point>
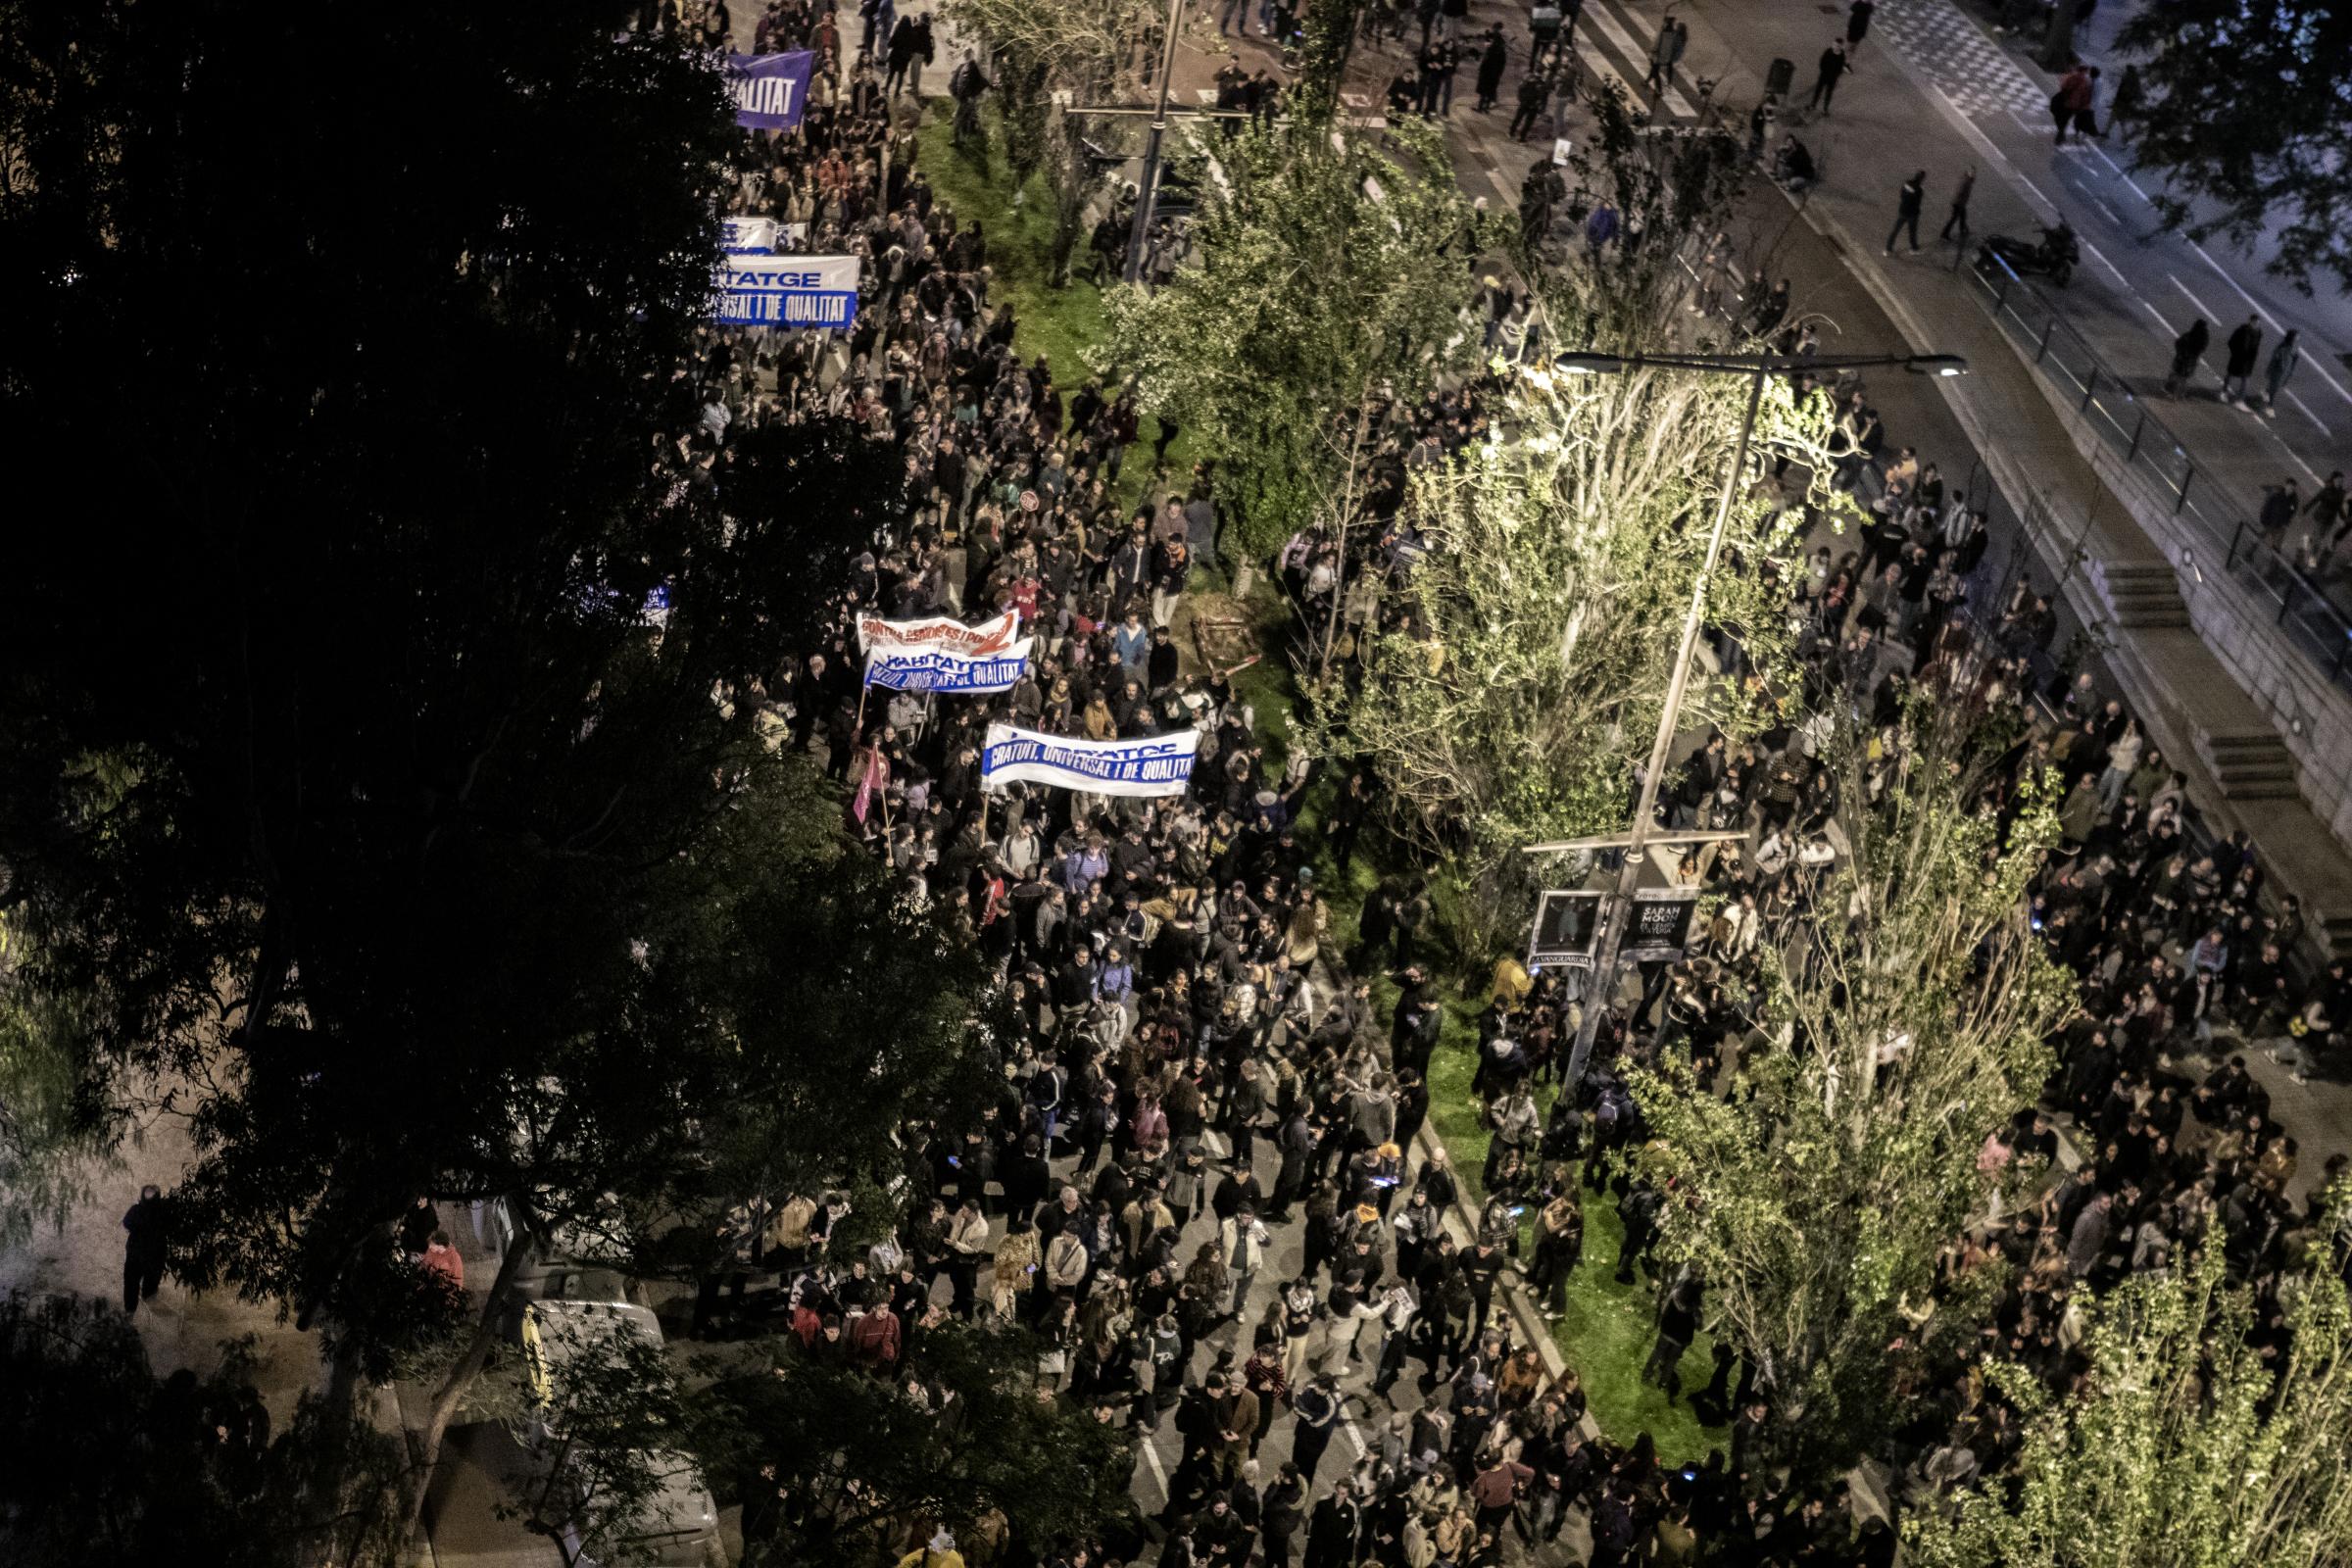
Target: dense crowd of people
<point>1202,1186</point>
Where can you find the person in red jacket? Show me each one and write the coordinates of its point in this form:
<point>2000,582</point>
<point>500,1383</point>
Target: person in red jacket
<point>874,1340</point>
<point>445,1260</point>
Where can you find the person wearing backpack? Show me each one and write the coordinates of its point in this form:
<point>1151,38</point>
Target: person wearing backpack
<point>1316,1410</point>
<point>966,86</point>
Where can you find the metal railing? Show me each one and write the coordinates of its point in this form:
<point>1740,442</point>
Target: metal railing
<point>2316,624</point>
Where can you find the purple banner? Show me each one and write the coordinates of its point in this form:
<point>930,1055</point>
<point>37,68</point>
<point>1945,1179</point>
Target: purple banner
<point>769,89</point>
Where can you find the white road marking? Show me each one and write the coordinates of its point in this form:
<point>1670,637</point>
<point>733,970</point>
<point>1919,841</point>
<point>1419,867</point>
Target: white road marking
<point>2039,193</point>
<point>2308,415</point>
<point>2100,256</point>
<point>2113,217</point>
<point>2152,311</point>
<point>2241,293</point>
<point>2101,154</point>
<point>2290,455</point>
<point>1598,17</point>
<point>2203,308</point>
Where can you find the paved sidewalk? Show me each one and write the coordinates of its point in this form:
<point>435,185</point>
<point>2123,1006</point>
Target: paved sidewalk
<point>179,1328</point>
<point>1886,127</point>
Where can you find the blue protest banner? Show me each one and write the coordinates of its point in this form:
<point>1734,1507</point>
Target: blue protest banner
<point>935,671</point>
<point>769,89</point>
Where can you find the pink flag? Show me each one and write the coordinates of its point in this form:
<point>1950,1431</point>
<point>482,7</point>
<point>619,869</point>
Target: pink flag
<point>871,782</point>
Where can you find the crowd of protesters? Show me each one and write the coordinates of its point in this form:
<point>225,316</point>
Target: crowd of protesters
<point>1203,1185</point>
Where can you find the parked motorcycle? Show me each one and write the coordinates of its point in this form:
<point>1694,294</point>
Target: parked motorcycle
<point>2055,254</point>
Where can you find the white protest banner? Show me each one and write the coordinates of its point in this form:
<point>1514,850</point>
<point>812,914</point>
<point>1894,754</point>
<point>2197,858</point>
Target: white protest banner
<point>737,236</point>
<point>787,290</point>
<point>1153,765</point>
<point>935,670</point>
<point>937,634</point>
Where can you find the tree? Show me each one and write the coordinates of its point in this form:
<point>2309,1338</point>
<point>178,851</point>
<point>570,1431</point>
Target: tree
<point>57,1128</point>
<point>2270,166</point>
<point>2210,1431</point>
<point>1330,271</point>
<point>1813,1198</point>
<point>1531,641</point>
<point>1533,638</point>
<point>1331,28</point>
<point>425,850</point>
<point>2057,51</point>
<point>1087,49</point>
<point>964,1435</point>
<point>102,1463</point>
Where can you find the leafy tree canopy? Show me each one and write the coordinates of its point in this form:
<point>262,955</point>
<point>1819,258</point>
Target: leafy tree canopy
<point>2244,114</point>
<point>102,1462</point>
<point>965,1435</point>
<point>360,786</point>
<point>1814,1197</point>
<point>1328,267</point>
<point>2209,1432</point>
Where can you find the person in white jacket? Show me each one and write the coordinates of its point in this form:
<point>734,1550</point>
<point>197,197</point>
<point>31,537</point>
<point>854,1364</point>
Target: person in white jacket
<point>1242,1246</point>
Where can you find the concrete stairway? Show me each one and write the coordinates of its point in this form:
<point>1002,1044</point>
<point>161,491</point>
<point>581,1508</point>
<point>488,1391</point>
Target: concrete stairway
<point>2141,594</point>
<point>2249,764</point>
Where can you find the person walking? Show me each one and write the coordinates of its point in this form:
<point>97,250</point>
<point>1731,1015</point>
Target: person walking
<point>966,86</point>
<point>1914,195</point>
<point>2283,359</point>
<point>1242,1243</point>
<point>1857,24</point>
<point>1673,38</point>
<point>148,1238</point>
<point>1959,214</point>
<point>2072,100</point>
<point>1545,39</point>
<point>1535,90</point>
<point>1834,65</point>
<point>2329,511</point>
<point>2280,505</point>
<point>2245,348</point>
<point>2187,349</point>
<point>1491,63</point>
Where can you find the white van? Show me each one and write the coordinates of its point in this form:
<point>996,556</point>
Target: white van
<point>679,1526</point>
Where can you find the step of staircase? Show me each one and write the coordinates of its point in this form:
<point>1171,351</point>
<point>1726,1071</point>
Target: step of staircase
<point>2249,764</point>
<point>2141,594</point>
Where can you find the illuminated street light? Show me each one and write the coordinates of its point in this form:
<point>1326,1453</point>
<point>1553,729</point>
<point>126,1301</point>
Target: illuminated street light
<point>1758,368</point>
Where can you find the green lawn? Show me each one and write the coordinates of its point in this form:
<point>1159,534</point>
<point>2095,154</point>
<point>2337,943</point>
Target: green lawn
<point>1605,1332</point>
<point>1059,322</point>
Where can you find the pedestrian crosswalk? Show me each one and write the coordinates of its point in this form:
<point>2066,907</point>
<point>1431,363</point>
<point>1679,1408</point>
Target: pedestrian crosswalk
<point>1955,54</point>
<point>1614,44</point>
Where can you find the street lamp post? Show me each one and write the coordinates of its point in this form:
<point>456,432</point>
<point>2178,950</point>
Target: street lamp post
<point>1757,368</point>
<point>1147,188</point>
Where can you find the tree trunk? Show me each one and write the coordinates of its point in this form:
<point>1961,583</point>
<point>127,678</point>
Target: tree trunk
<point>2058,39</point>
<point>454,1387</point>
<point>1338,573</point>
